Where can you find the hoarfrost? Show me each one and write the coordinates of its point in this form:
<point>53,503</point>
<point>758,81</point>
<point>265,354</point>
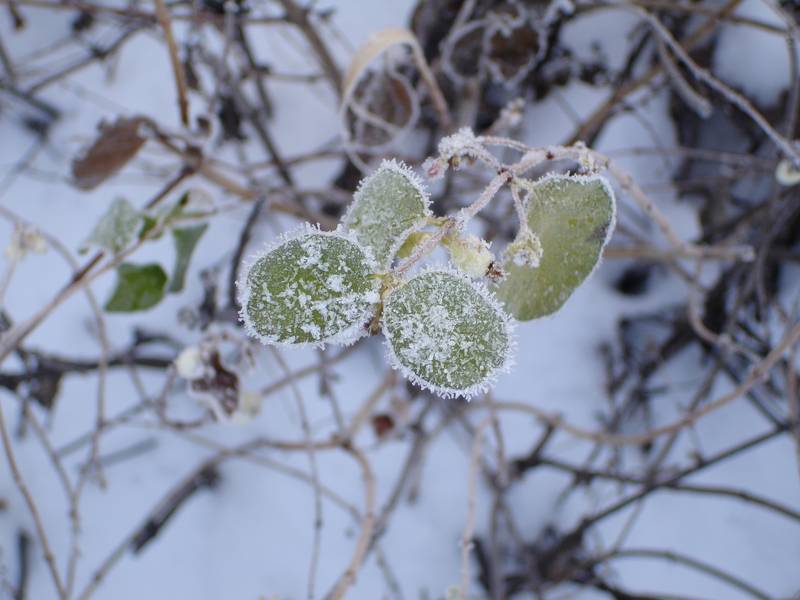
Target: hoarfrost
<point>117,227</point>
<point>313,287</point>
<point>447,333</point>
<point>388,205</point>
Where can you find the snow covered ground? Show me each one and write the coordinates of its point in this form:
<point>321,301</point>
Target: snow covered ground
<point>251,536</point>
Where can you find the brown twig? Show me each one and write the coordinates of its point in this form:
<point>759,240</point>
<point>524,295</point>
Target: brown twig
<point>177,68</point>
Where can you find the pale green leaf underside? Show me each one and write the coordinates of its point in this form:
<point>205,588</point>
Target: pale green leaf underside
<point>571,217</point>
<point>313,288</point>
<point>385,207</point>
<point>445,333</point>
<point>185,239</point>
<point>117,227</point>
<point>139,287</point>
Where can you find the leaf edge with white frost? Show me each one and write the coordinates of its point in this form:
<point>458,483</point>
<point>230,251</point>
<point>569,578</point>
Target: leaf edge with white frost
<point>490,378</point>
<point>345,337</point>
<point>609,232</point>
<point>402,169</point>
<point>116,228</point>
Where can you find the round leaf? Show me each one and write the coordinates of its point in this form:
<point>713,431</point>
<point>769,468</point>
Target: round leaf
<point>387,206</point>
<point>313,287</point>
<point>447,333</point>
<point>573,218</point>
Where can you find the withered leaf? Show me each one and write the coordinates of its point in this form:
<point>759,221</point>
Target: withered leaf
<point>116,144</point>
<point>382,425</point>
<point>221,384</point>
<point>514,53</point>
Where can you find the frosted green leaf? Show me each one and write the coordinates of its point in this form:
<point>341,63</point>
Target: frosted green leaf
<point>185,239</point>
<point>117,228</point>
<point>447,333</point>
<point>313,287</point>
<point>388,205</point>
<point>573,218</point>
<point>139,287</point>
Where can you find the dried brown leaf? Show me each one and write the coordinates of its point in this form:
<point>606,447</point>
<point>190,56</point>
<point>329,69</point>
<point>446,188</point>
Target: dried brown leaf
<point>116,144</point>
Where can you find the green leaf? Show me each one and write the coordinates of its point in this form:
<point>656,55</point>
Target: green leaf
<point>573,218</point>
<point>139,287</point>
<point>117,228</point>
<point>148,223</point>
<point>388,205</point>
<point>313,287</point>
<point>185,239</point>
<point>447,333</point>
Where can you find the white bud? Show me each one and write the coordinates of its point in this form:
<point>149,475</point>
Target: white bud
<point>190,364</point>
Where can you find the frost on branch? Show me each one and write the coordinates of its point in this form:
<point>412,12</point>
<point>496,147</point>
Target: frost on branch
<point>313,287</point>
<point>452,149</point>
<point>387,206</point>
<point>573,218</point>
<point>446,333</point>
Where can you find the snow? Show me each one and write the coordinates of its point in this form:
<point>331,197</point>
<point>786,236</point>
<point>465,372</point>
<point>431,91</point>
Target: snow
<point>250,537</point>
<point>762,75</point>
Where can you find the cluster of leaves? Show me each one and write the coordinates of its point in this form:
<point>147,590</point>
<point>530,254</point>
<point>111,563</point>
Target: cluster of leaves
<point>142,286</point>
<point>445,329</point>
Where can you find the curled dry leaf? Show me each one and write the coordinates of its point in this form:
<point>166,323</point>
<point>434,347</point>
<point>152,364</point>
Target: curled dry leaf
<point>353,106</point>
<point>116,144</point>
<point>505,43</point>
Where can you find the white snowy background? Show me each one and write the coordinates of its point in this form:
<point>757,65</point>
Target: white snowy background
<point>251,536</point>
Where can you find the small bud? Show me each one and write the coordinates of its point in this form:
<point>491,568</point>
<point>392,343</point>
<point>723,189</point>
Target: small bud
<point>470,253</point>
<point>526,250</point>
<point>434,168</point>
<point>190,364</point>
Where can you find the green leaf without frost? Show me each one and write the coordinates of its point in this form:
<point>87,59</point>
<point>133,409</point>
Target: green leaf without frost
<point>388,205</point>
<point>185,239</point>
<point>117,228</point>
<point>139,287</point>
<point>447,333</point>
<point>573,218</point>
<point>313,287</point>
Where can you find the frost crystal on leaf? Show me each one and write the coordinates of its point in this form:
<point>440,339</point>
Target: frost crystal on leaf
<point>117,227</point>
<point>447,333</point>
<point>387,206</point>
<point>313,287</point>
<point>573,218</point>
